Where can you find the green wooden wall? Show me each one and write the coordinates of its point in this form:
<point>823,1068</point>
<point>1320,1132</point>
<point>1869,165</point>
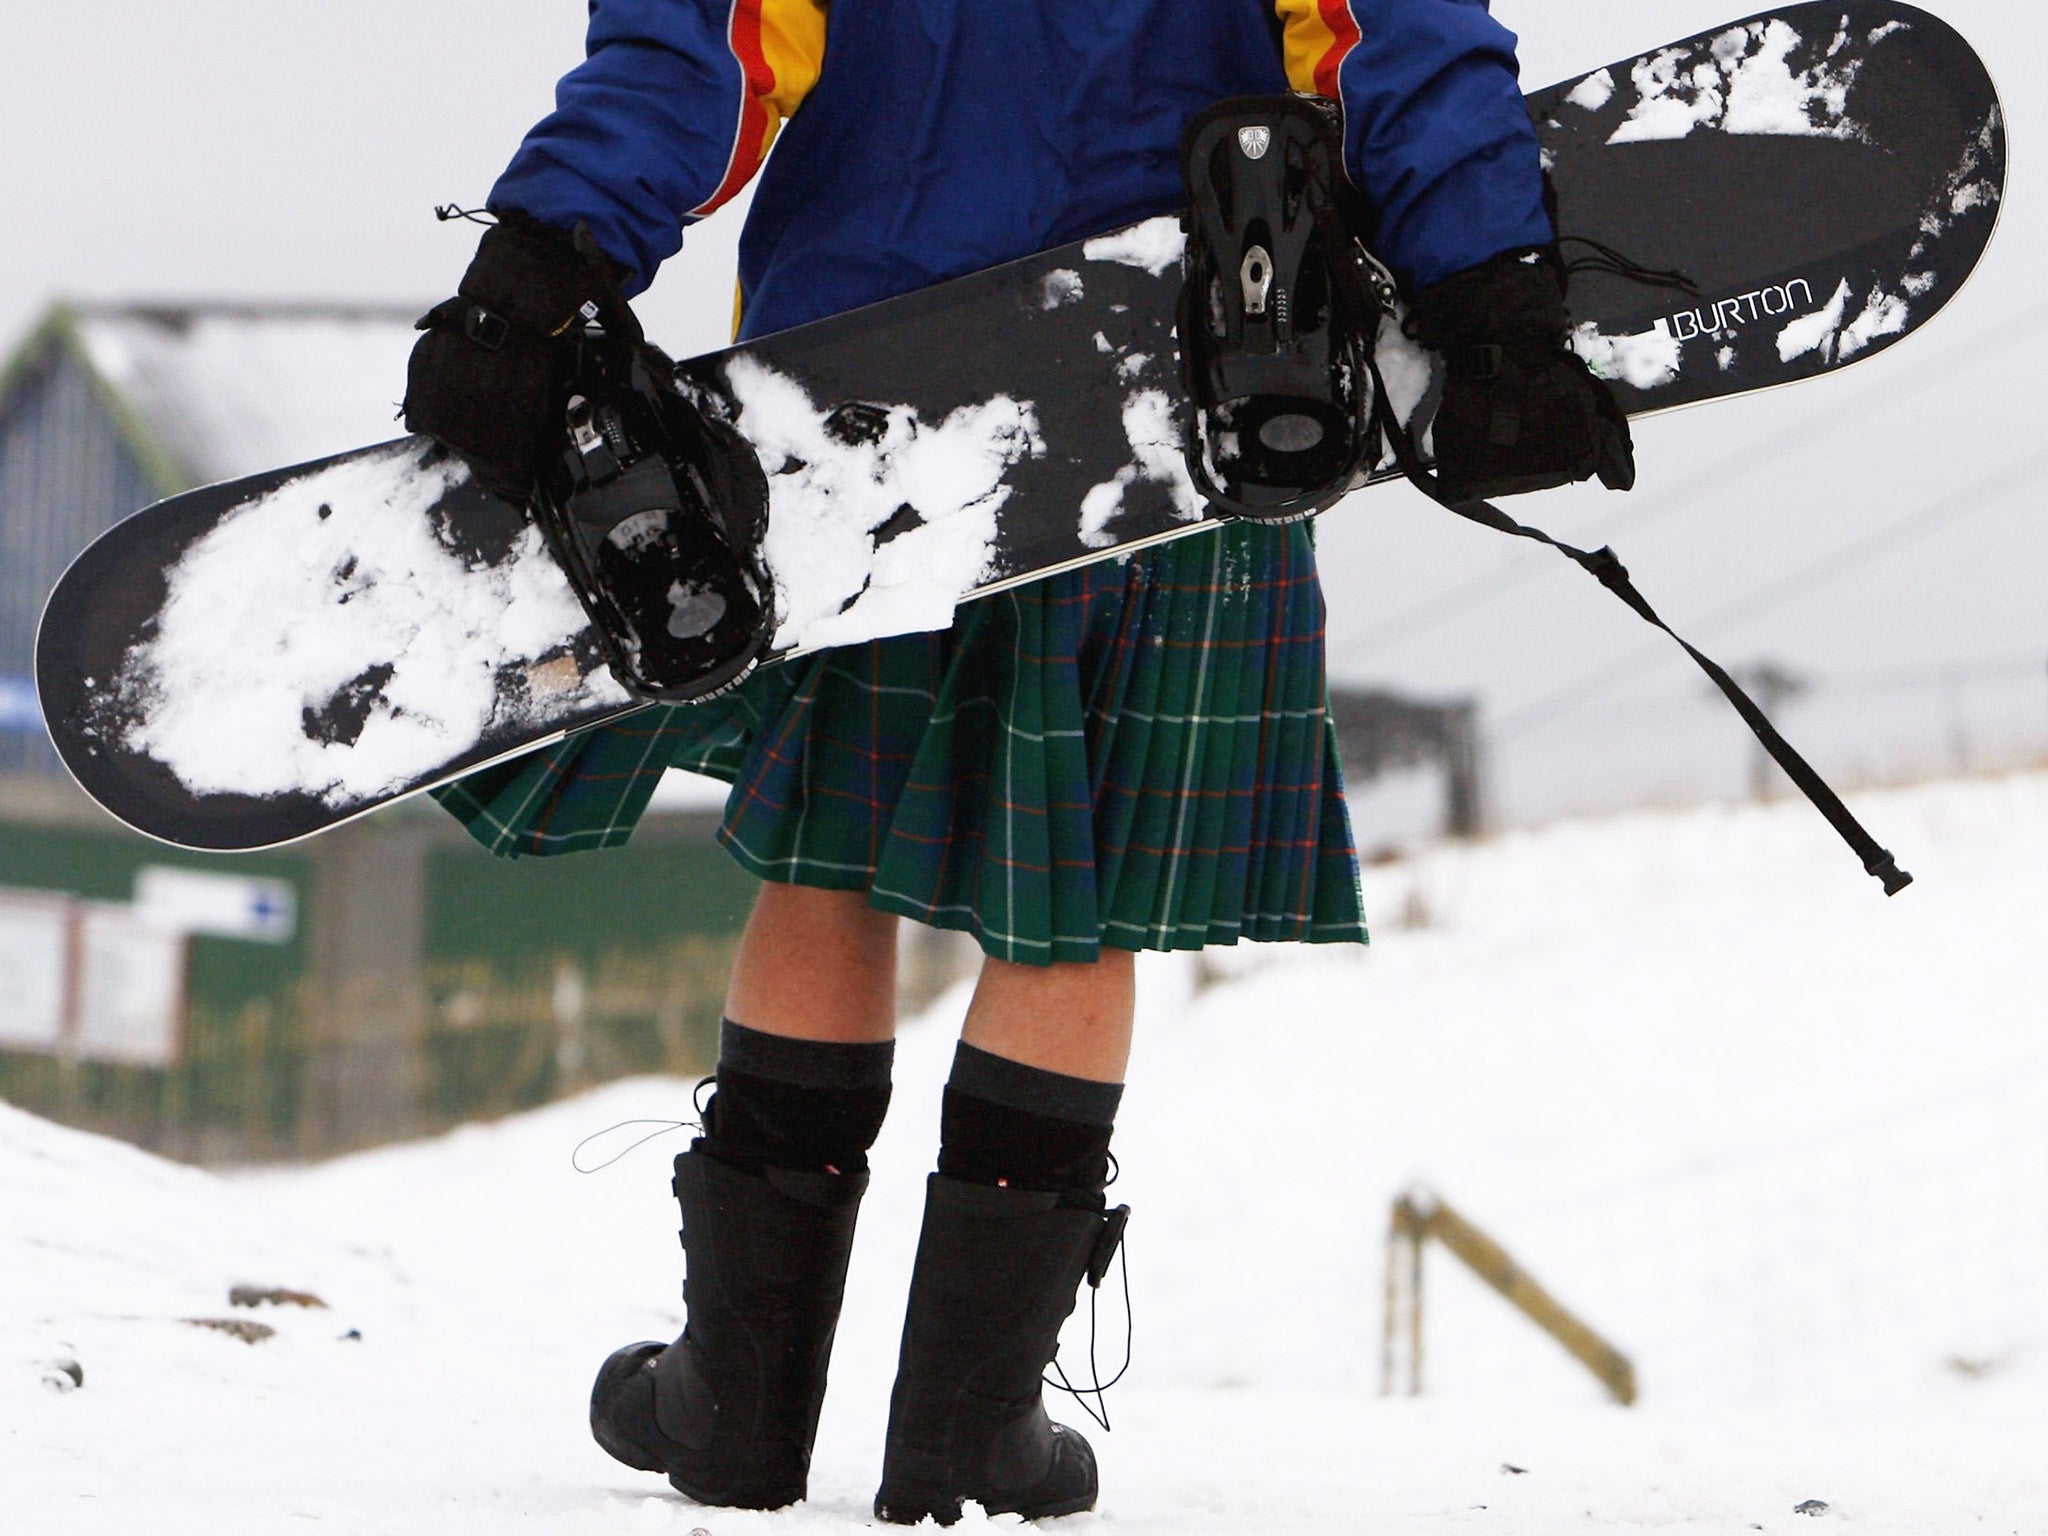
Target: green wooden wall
<point>546,973</point>
<point>536,978</point>
<point>240,1068</point>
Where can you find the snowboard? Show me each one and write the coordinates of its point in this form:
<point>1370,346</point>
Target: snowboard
<point>253,662</point>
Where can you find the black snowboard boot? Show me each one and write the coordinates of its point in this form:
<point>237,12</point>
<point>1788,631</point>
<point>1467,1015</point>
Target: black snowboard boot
<point>996,1274</point>
<point>729,1410</point>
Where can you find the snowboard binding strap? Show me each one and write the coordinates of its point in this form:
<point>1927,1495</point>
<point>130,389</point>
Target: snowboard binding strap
<point>655,509</point>
<point>1273,350</point>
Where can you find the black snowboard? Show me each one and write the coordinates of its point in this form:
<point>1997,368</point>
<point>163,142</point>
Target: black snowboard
<point>254,662</point>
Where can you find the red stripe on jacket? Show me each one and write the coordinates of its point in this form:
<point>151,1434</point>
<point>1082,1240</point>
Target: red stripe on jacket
<point>1344,37</point>
<point>757,83</point>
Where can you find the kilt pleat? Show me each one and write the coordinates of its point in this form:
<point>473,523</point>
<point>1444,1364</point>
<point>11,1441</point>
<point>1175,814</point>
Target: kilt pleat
<point>1136,754</point>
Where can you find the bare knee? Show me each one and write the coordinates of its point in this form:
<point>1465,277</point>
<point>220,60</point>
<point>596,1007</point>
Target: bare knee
<point>817,965</point>
<point>1068,1018</point>
<point>840,918</point>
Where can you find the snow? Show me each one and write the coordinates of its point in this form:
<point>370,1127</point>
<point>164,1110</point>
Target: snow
<point>1884,314</point>
<point>1817,331</point>
<point>1824,331</point>
<point>1063,286</point>
<point>279,609</point>
<point>1154,245</point>
<point>1593,92</point>
<point>1645,361</point>
<point>1783,1141</point>
<point>837,582</point>
<point>1157,458</point>
<point>1742,82</point>
<point>1408,368</point>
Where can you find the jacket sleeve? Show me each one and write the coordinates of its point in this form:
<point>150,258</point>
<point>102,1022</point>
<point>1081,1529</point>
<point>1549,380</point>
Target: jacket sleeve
<point>670,113</point>
<point>1435,133</point>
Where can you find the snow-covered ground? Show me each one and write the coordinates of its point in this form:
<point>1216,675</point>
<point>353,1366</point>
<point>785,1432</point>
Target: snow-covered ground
<point>1783,1141</point>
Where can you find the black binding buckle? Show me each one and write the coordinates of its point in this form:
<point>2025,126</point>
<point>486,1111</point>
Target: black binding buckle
<point>655,508</point>
<point>1274,352</point>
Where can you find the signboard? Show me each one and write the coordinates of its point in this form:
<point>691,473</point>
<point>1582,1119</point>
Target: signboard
<point>89,981</point>
<point>105,981</point>
<point>19,711</point>
<point>218,905</point>
<point>34,935</point>
<point>131,988</point>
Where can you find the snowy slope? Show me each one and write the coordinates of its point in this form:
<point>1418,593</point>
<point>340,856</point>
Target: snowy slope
<point>1783,1141</point>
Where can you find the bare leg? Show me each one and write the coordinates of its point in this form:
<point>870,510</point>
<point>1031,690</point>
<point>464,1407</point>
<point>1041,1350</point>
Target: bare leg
<point>815,965</point>
<point>1073,1019</point>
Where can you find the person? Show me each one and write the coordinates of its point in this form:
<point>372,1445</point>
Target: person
<point>1136,755</point>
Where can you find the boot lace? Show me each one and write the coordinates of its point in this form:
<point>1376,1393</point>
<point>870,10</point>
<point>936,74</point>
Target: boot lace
<point>1099,1409</point>
<point>664,1128</point>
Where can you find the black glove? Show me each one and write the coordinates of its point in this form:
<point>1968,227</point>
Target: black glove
<point>1521,411</point>
<point>488,376</point>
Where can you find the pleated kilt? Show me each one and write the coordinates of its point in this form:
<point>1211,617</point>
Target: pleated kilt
<point>1137,754</point>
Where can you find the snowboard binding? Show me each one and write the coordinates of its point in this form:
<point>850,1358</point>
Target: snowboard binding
<point>1279,309</point>
<point>655,510</point>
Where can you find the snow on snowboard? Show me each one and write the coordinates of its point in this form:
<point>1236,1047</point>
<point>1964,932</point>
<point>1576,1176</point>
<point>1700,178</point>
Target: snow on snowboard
<point>254,662</point>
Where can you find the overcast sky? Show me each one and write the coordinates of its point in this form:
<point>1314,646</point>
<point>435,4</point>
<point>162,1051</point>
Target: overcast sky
<point>295,148</point>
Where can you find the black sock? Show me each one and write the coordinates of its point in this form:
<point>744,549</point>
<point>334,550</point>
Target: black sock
<point>804,1104</point>
<point>1023,1127</point>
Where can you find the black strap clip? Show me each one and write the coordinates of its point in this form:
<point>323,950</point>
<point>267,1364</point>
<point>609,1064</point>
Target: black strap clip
<point>487,328</point>
<point>1107,1242</point>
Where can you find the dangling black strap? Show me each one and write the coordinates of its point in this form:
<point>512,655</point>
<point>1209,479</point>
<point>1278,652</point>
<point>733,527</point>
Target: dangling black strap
<point>1366,290</point>
<point>1606,567</point>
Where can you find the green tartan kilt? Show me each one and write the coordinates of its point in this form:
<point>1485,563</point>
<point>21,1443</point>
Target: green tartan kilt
<point>1138,753</point>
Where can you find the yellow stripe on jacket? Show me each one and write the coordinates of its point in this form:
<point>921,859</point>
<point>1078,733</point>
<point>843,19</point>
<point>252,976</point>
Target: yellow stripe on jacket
<point>1316,37</point>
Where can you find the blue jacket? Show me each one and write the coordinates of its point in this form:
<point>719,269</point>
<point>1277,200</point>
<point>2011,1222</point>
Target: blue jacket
<point>922,139</point>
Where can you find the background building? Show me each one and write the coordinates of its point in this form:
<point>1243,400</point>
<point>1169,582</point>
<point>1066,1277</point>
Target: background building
<point>108,407</point>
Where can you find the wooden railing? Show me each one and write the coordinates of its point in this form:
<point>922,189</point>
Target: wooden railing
<point>1419,1216</point>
